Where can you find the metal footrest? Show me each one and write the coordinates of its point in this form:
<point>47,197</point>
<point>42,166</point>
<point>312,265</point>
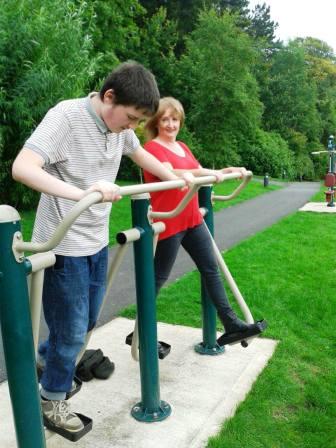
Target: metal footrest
<point>242,336</point>
<point>163,347</point>
<point>76,386</point>
<point>72,436</point>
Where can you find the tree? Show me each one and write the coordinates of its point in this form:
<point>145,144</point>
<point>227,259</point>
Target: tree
<point>268,153</point>
<point>114,31</point>
<point>155,49</point>
<point>40,64</point>
<point>185,13</point>
<point>290,98</point>
<point>261,26</point>
<point>218,88</point>
<point>291,105</point>
<point>321,62</point>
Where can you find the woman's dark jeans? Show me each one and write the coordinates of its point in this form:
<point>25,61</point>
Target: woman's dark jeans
<point>197,243</point>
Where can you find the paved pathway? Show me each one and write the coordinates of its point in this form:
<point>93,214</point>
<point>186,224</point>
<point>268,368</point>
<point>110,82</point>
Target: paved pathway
<point>232,225</point>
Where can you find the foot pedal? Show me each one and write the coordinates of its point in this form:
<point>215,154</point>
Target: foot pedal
<point>242,336</point>
<point>163,347</point>
<point>129,339</point>
<point>72,436</point>
<point>76,387</point>
<point>77,383</point>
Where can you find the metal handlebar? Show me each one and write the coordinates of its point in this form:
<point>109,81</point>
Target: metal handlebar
<point>19,246</point>
<point>246,180</point>
<point>198,182</point>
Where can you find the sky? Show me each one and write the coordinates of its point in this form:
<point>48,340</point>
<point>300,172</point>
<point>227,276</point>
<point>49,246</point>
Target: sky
<point>302,18</point>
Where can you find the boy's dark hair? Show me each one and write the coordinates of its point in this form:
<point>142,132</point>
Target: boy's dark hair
<point>133,85</point>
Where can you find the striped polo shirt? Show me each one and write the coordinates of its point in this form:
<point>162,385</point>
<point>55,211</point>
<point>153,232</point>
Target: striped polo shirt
<point>77,148</point>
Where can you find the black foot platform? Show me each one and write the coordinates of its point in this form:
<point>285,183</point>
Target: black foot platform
<point>163,347</point>
<point>77,383</point>
<point>72,436</point>
<point>242,336</point>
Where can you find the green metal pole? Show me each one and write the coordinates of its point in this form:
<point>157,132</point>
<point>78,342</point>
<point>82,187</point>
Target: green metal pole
<point>151,408</point>
<point>331,149</point>
<point>209,345</point>
<point>18,338</point>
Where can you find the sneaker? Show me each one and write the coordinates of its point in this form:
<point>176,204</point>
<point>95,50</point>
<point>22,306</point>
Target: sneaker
<point>57,413</point>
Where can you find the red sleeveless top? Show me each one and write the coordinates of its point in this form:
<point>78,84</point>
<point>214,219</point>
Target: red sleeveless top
<point>164,201</point>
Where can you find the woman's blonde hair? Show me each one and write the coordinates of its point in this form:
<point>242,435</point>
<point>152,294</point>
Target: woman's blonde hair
<point>166,103</point>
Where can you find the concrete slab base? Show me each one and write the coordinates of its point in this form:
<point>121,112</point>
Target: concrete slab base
<point>203,391</point>
<point>318,207</point>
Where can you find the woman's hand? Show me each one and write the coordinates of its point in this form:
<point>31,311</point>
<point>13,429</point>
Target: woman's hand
<point>110,191</point>
<point>218,174</point>
<point>189,178</point>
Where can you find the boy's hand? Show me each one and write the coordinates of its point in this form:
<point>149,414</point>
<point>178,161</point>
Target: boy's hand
<point>110,191</point>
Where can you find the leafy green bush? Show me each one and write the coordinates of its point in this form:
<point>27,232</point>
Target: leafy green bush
<point>269,153</point>
<point>44,58</point>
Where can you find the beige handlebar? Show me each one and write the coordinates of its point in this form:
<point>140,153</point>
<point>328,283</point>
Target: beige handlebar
<point>20,246</point>
<point>246,180</point>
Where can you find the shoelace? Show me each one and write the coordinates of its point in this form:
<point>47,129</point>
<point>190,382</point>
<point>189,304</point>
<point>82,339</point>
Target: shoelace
<point>61,409</point>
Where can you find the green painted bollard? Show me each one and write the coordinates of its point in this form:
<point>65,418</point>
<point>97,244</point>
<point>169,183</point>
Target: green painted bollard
<point>209,345</point>
<point>151,408</point>
<point>18,338</point>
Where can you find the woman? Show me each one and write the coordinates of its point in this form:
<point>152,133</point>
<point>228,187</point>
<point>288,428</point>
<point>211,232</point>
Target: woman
<point>188,228</point>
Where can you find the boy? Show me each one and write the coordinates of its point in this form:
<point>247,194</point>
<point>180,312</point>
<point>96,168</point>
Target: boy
<point>76,149</point>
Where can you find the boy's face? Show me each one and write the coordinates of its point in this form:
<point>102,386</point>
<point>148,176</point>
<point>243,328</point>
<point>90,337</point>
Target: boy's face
<point>118,117</point>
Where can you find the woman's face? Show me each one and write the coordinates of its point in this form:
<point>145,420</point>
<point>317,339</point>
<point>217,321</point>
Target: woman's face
<point>168,125</point>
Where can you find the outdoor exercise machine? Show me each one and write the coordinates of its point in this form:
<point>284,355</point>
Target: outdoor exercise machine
<point>210,345</point>
<point>330,177</point>
<point>20,327</point>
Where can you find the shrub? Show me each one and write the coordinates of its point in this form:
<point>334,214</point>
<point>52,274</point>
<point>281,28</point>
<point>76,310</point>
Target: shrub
<point>44,58</point>
<point>269,153</point>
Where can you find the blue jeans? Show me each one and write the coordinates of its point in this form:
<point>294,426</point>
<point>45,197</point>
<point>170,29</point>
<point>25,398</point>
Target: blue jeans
<point>197,243</point>
<point>73,292</point>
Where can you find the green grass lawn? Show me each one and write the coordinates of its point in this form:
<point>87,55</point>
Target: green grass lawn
<point>121,211</point>
<point>288,277</point>
<point>320,195</point>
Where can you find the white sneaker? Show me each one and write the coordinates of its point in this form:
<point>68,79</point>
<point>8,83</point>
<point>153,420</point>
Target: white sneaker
<point>58,413</point>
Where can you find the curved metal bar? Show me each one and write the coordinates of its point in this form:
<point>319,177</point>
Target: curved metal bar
<point>232,284</point>
<point>62,228</point>
<point>42,260</point>
<point>86,202</point>
<point>20,246</point>
<point>158,227</point>
<point>179,208</point>
<point>35,289</point>
<point>35,285</point>
<point>115,264</point>
<point>135,341</point>
<point>332,151</point>
<point>199,181</point>
<point>246,180</point>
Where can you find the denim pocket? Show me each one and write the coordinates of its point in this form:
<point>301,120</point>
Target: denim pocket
<point>59,265</point>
